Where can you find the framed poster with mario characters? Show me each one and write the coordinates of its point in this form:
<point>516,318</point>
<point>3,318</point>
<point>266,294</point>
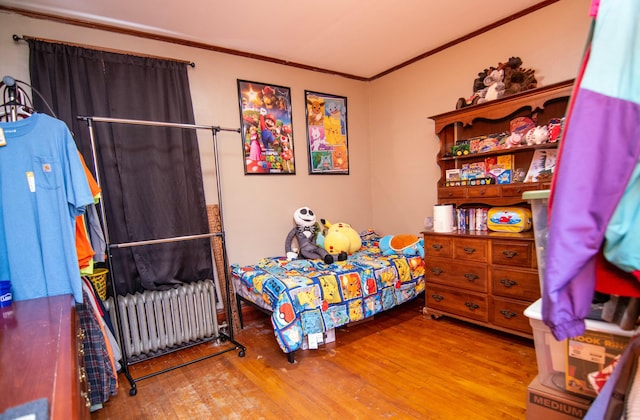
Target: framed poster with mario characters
<point>266,129</point>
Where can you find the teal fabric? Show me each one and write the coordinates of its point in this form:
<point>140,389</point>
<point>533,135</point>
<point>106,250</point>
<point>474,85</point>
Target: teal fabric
<point>616,41</point>
<point>623,232</point>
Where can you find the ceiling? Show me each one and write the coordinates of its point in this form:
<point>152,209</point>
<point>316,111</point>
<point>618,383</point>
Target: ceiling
<point>361,38</point>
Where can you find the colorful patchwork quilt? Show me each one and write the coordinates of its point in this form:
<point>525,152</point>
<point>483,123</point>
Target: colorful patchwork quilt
<point>309,296</point>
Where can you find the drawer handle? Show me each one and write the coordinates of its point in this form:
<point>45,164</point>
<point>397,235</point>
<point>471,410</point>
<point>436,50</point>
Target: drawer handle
<point>437,298</point>
<point>508,282</point>
<point>472,277</point>
<point>508,314</point>
<point>471,305</point>
<point>437,271</point>
<point>509,254</point>
<point>87,400</point>
<point>436,246</point>
<point>469,250</point>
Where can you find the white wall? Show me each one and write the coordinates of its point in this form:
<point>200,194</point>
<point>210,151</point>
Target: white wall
<point>403,141</point>
<point>257,209</point>
<point>392,145</point>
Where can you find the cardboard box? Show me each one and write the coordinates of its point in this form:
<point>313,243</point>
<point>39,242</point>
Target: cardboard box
<point>589,354</point>
<point>500,168</point>
<point>312,341</point>
<point>552,404</point>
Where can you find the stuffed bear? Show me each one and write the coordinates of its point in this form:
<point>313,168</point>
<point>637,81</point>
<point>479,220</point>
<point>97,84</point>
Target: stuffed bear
<point>305,233</point>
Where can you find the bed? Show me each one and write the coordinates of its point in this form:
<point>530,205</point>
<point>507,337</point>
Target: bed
<point>308,297</point>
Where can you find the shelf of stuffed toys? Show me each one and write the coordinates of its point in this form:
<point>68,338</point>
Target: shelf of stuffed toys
<point>491,151</point>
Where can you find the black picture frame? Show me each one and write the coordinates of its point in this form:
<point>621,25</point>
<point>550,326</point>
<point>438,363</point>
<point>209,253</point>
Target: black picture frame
<point>327,133</point>
<point>266,128</point>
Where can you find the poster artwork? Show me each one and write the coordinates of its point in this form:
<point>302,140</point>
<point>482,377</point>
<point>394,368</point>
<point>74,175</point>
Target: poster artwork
<point>327,133</point>
<point>267,133</point>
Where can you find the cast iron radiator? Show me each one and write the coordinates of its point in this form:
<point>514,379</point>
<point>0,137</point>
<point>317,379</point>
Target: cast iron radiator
<point>157,322</point>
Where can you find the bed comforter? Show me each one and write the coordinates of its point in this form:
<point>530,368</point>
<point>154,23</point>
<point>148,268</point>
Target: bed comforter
<point>309,296</point>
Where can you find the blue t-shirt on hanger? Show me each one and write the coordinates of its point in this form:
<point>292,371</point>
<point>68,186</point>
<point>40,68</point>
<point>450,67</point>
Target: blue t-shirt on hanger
<point>43,187</point>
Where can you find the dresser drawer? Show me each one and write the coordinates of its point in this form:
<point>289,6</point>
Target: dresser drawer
<point>510,314</point>
<point>465,275</point>
<point>469,305</point>
<point>484,191</point>
<point>516,190</point>
<point>513,253</point>
<point>470,249</point>
<point>452,192</point>
<point>438,246</point>
<point>515,283</point>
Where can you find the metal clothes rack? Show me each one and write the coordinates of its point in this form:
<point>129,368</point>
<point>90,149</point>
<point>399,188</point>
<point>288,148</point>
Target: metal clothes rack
<point>219,334</point>
<point>16,100</point>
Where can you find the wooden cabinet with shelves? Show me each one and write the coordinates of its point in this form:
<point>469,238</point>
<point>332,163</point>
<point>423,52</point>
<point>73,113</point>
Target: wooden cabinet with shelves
<point>488,278</point>
<point>541,105</point>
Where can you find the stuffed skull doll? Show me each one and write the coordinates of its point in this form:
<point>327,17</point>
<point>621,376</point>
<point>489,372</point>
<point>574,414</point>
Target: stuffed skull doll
<point>305,232</point>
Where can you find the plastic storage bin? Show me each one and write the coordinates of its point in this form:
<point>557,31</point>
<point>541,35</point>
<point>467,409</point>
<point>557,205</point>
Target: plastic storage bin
<point>567,364</point>
<point>592,352</point>
<point>539,201</point>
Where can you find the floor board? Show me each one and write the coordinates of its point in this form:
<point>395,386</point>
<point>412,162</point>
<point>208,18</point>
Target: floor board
<point>401,364</point>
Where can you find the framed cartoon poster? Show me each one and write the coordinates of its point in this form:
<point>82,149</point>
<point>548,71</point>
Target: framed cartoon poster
<point>327,133</point>
<point>265,126</point>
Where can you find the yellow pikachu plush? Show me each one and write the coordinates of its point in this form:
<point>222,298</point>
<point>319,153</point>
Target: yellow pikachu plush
<point>341,237</point>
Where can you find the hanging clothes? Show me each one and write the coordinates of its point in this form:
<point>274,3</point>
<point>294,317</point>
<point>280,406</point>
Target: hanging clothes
<point>84,247</point>
<point>598,153</point>
<point>42,189</point>
<point>613,400</point>
<point>101,377</point>
<point>623,233</point>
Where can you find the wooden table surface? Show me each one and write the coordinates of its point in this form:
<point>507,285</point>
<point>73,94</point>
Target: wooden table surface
<point>38,355</point>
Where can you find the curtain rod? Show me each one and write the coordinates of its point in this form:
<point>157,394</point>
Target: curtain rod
<point>17,38</point>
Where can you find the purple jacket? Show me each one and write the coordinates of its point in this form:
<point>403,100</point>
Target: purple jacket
<point>599,151</point>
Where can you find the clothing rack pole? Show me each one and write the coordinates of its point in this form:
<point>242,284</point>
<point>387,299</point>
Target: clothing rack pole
<point>220,335</point>
<point>12,100</point>
<point>103,218</point>
<point>11,88</point>
<point>225,261</point>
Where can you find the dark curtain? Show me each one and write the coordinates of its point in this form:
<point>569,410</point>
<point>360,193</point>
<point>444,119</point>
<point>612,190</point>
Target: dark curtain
<point>150,176</point>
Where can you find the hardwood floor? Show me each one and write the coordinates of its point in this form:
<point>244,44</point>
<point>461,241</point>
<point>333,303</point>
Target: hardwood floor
<point>402,364</point>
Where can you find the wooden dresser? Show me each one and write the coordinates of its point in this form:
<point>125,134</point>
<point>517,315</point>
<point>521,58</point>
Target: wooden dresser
<point>482,277</point>
<point>41,356</point>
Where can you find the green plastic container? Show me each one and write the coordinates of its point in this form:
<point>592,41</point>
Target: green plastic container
<point>539,201</point>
